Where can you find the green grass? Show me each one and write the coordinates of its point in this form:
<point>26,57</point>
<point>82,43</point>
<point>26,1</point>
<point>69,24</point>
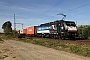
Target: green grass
<point>73,48</point>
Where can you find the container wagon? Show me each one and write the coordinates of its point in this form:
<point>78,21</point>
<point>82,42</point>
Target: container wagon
<point>30,31</point>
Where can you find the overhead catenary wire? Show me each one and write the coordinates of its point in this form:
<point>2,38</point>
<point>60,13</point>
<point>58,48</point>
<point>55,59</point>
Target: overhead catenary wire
<point>69,10</point>
<point>80,14</point>
<point>51,8</point>
<point>54,6</point>
<point>84,13</point>
<point>77,7</point>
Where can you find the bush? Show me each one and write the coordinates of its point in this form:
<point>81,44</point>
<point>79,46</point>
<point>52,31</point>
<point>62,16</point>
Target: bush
<point>14,34</point>
<point>84,32</point>
<point>89,31</point>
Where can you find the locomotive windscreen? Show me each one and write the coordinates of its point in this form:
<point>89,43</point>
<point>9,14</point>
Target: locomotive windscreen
<point>69,23</point>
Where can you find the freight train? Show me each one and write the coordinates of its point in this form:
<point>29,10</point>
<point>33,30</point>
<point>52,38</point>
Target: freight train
<point>57,29</point>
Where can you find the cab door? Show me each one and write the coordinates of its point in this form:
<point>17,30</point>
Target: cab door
<point>61,30</point>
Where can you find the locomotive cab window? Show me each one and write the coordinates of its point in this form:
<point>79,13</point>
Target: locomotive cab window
<point>70,24</point>
<point>61,24</point>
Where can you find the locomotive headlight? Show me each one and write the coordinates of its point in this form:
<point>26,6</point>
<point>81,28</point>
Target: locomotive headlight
<point>76,28</point>
<point>72,28</point>
<point>68,27</point>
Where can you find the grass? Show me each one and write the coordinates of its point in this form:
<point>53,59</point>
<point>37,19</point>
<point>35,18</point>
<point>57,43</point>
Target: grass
<point>73,48</point>
<point>1,40</point>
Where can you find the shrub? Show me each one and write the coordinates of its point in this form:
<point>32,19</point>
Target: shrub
<point>14,34</point>
<point>89,31</point>
<point>83,32</point>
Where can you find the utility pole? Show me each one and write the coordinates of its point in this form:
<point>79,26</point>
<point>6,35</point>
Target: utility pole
<point>22,26</point>
<point>14,23</point>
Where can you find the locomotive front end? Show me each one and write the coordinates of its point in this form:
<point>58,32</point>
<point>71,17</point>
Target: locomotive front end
<point>71,29</point>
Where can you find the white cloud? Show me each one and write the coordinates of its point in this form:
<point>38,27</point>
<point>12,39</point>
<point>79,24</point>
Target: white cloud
<point>22,8</point>
<point>3,6</point>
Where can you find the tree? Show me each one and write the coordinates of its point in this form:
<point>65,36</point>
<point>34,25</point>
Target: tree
<point>7,27</point>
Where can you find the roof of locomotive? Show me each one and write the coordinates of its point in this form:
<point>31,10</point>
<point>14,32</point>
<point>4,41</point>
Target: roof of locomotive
<point>57,21</point>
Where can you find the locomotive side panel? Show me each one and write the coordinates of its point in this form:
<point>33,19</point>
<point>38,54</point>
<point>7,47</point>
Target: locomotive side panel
<point>43,31</point>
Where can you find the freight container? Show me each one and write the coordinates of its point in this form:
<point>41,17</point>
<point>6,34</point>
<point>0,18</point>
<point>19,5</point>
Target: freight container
<point>24,30</point>
<point>30,30</point>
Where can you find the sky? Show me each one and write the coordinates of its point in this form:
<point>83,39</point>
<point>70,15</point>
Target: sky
<point>36,12</point>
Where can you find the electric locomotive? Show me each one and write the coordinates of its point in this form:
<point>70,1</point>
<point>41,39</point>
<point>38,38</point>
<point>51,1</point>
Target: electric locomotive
<point>58,29</point>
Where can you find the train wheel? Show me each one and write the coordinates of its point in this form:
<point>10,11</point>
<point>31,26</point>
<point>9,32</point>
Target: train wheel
<point>54,36</point>
<point>51,36</point>
<point>62,37</point>
<point>42,36</point>
<point>59,37</point>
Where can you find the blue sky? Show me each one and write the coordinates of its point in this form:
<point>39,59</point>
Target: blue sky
<point>35,12</point>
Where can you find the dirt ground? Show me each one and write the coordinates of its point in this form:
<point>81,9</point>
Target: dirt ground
<point>17,50</point>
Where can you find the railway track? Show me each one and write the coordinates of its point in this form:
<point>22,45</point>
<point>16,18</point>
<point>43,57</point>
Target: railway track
<point>71,41</point>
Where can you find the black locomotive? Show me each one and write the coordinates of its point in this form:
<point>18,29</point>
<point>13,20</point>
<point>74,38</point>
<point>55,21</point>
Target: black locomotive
<point>57,29</point>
